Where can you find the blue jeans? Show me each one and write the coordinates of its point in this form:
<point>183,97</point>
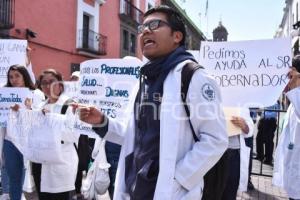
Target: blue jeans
<point>4,180</point>
<point>15,169</point>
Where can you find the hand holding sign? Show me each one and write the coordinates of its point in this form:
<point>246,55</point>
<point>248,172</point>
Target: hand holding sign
<point>241,123</point>
<point>89,114</point>
<point>294,76</point>
<point>15,107</point>
<point>28,55</point>
<point>27,103</point>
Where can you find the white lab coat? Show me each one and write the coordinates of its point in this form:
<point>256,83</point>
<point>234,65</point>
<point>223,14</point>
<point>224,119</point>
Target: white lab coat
<point>286,173</point>
<point>245,151</point>
<point>244,165</point>
<point>183,163</point>
<point>56,178</point>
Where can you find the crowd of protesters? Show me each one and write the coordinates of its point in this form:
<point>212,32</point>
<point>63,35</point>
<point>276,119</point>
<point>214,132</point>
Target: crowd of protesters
<point>154,157</point>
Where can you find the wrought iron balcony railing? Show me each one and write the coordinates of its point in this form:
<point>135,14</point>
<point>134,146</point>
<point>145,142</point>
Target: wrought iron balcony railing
<point>129,10</point>
<point>7,14</point>
<point>92,42</point>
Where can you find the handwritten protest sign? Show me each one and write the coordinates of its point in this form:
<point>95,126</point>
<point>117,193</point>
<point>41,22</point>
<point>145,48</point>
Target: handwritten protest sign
<point>38,136</point>
<point>110,85</point>
<point>71,89</point>
<point>250,73</point>
<point>9,97</point>
<point>11,52</point>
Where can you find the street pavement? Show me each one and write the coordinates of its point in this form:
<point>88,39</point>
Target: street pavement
<point>263,190</point>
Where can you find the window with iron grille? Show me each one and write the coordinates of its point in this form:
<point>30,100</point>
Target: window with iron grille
<point>132,43</point>
<point>125,40</point>
<point>7,8</point>
<point>85,31</point>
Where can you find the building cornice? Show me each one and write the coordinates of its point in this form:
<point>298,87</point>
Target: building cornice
<point>187,18</point>
<point>100,2</point>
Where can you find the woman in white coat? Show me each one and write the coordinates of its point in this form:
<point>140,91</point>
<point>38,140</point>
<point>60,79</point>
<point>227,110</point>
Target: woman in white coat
<point>55,181</point>
<point>17,76</point>
<point>286,172</point>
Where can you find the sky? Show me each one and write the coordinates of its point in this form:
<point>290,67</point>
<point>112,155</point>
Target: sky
<point>243,19</point>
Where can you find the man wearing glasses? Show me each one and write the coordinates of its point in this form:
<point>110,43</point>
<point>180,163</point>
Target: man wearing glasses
<point>160,158</point>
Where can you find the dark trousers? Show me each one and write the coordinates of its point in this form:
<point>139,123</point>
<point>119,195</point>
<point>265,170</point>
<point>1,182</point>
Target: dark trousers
<point>112,153</point>
<point>265,137</point>
<point>84,152</point>
<point>249,143</point>
<point>78,181</point>
<point>36,172</point>
<point>215,179</point>
<point>233,175</point>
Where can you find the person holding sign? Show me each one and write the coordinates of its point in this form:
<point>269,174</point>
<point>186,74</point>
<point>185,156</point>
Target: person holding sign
<point>17,76</point>
<point>159,157</point>
<point>55,181</point>
<point>286,173</point>
<point>238,154</point>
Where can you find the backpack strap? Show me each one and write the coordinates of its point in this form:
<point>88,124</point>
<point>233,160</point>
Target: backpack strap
<point>186,76</point>
<point>64,108</point>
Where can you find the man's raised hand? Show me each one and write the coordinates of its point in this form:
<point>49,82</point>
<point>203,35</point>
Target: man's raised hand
<point>88,114</point>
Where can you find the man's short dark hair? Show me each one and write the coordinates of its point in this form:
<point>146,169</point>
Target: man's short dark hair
<point>296,62</point>
<point>174,19</point>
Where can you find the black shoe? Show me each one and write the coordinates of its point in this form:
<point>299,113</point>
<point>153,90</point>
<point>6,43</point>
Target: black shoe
<point>268,162</point>
<point>258,158</point>
<point>250,186</point>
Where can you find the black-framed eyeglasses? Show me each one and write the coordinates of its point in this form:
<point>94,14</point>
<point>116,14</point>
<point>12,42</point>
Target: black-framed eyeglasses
<point>152,25</point>
<point>46,83</point>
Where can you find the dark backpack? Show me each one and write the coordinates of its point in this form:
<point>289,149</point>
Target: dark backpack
<point>215,178</point>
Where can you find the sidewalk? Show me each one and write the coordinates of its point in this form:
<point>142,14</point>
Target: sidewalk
<point>263,190</point>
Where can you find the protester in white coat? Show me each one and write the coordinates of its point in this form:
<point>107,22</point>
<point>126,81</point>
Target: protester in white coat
<point>17,76</point>
<point>238,156</point>
<point>160,158</point>
<point>55,181</point>
<point>286,172</point>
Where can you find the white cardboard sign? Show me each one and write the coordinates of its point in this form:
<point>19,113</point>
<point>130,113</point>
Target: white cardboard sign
<point>11,52</point>
<point>71,89</point>
<point>110,85</point>
<point>10,96</point>
<point>38,136</point>
<point>249,73</point>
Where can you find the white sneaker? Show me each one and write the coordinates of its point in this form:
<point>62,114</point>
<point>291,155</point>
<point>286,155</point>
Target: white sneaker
<point>5,196</point>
